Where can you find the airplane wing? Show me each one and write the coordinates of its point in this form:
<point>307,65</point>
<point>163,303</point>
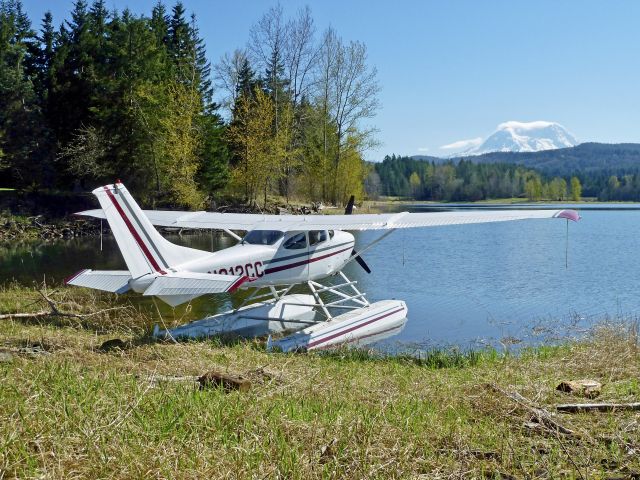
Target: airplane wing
<point>382,221</point>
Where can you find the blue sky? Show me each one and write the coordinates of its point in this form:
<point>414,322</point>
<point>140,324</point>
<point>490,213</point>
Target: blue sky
<point>453,70</point>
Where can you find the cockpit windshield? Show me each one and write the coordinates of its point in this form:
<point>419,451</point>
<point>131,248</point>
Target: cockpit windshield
<point>262,237</point>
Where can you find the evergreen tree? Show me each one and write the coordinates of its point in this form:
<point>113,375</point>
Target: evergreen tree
<point>41,65</point>
<point>21,124</point>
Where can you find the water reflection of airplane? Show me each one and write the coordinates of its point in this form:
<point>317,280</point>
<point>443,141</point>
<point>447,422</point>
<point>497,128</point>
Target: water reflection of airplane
<point>277,253</point>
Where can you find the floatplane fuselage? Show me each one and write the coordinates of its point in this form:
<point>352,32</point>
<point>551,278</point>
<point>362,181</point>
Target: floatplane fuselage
<point>269,257</point>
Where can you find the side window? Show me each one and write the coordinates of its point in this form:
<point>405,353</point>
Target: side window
<point>317,236</point>
<point>298,241</point>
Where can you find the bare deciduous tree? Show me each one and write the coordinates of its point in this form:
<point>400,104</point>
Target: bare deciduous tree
<point>267,46</point>
<point>355,87</point>
<point>301,54</point>
<point>347,92</point>
<point>321,93</point>
<point>227,75</point>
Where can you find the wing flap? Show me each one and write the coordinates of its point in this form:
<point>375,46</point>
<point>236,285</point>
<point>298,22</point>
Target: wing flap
<point>193,284</point>
<point>115,281</point>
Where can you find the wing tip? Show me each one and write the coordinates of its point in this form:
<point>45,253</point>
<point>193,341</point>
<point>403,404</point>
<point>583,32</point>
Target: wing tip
<point>70,278</point>
<point>572,215</point>
<point>94,213</point>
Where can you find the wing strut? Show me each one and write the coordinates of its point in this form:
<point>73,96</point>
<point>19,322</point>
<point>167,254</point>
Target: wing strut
<point>356,255</point>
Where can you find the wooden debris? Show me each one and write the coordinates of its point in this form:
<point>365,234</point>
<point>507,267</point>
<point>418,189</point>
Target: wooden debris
<point>328,450</point>
<point>597,407</point>
<point>33,350</point>
<point>540,415</point>
<point>261,376</point>
<point>584,388</point>
<point>155,380</point>
<point>229,382</point>
<point>113,344</point>
<point>172,378</point>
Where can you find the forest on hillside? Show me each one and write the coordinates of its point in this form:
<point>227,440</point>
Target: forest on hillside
<point>470,180</point>
<point>606,171</point>
<point>109,94</point>
<point>465,181</point>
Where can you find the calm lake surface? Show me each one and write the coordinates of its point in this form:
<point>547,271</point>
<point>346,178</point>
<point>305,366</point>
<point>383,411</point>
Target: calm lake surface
<point>464,285</point>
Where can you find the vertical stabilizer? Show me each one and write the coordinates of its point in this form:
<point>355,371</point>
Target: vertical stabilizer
<point>143,248</point>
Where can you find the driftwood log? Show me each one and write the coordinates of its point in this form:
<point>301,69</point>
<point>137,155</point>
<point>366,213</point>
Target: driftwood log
<point>585,388</point>
<point>597,407</point>
<point>229,382</point>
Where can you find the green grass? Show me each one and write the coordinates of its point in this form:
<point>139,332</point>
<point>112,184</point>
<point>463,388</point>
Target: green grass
<point>77,412</point>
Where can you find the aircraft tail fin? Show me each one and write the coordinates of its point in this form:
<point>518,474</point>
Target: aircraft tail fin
<point>143,248</point>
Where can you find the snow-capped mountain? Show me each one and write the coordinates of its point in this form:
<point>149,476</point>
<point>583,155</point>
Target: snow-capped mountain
<point>524,137</point>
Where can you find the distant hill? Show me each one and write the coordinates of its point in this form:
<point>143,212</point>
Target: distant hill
<point>585,159</point>
<point>606,171</point>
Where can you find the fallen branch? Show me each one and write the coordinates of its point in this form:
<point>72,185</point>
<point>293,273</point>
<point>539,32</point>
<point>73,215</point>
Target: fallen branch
<point>9,316</point>
<point>542,416</point>
<point>597,407</point>
<point>54,312</point>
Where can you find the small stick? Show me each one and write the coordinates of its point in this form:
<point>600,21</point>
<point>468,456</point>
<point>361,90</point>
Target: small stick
<point>56,313</point>
<point>542,416</point>
<point>597,407</point>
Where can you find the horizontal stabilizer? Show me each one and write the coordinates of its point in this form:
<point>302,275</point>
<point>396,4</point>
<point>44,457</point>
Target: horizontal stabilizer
<point>115,281</point>
<point>193,284</point>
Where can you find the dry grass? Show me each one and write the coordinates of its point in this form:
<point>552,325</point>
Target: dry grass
<point>74,412</point>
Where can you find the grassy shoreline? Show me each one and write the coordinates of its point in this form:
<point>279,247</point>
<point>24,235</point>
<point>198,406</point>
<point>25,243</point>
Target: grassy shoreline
<point>70,410</point>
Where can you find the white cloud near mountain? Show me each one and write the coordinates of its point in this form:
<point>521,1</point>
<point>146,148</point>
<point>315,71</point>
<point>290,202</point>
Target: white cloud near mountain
<point>461,144</point>
<point>524,126</point>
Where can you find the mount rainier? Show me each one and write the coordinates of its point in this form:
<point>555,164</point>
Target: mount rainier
<point>515,136</point>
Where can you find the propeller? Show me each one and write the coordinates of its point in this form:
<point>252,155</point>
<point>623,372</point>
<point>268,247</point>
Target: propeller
<point>361,262</point>
<point>348,211</point>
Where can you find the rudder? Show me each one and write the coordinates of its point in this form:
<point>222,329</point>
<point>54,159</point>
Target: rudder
<point>144,250</point>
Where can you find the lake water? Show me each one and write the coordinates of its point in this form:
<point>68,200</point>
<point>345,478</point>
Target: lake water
<point>464,285</point>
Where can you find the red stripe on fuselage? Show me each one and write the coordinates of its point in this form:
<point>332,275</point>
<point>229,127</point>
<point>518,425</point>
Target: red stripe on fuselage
<point>237,283</point>
<point>133,231</point>
<point>303,262</point>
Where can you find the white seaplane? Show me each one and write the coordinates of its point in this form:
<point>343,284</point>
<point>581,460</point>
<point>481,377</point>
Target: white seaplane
<point>277,253</point>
